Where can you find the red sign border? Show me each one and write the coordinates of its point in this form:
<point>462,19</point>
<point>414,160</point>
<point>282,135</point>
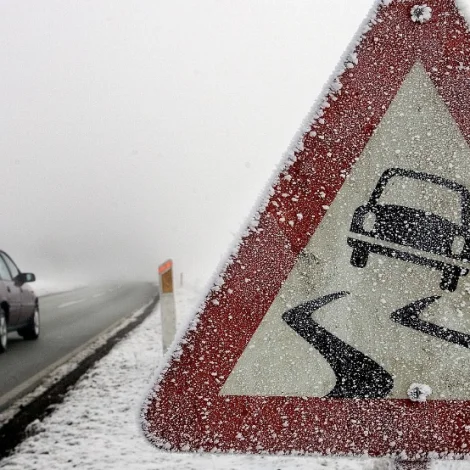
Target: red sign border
<point>184,411</point>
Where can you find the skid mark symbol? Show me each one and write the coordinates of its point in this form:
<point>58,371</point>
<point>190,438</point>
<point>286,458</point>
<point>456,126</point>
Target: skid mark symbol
<point>409,316</point>
<point>357,375</point>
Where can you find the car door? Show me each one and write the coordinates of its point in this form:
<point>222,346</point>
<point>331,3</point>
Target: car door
<point>25,297</point>
<point>13,294</point>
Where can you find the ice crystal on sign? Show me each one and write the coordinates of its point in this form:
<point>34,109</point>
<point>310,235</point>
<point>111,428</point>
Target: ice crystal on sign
<point>419,392</point>
<point>421,13</point>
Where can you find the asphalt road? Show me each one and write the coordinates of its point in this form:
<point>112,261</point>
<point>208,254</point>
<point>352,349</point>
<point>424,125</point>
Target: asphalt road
<point>68,320</point>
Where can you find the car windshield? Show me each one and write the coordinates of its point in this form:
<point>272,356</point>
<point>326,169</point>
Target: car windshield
<point>423,195</point>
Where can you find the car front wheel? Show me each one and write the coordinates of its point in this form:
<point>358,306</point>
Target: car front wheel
<point>3,332</point>
<point>31,331</point>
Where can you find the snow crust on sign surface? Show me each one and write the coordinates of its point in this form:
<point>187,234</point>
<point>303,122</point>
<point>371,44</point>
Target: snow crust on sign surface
<point>419,133</point>
<point>329,92</point>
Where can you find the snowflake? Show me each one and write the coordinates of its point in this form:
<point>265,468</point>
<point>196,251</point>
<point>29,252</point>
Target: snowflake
<point>421,13</point>
<point>419,392</point>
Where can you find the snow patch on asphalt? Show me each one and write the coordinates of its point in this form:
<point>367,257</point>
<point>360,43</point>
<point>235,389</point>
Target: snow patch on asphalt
<point>46,287</point>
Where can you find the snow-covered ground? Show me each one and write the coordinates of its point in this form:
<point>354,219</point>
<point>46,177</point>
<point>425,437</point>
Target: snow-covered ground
<point>46,286</point>
<point>97,427</point>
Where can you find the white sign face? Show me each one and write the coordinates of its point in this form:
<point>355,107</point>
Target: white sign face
<point>383,282</point>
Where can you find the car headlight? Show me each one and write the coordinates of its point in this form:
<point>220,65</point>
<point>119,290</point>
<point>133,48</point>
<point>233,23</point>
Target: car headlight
<point>369,222</point>
<point>458,244</point>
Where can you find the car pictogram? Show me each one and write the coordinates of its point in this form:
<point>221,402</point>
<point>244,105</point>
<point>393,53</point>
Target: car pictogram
<point>416,217</point>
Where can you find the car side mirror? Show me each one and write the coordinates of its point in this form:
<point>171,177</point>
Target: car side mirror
<point>25,277</point>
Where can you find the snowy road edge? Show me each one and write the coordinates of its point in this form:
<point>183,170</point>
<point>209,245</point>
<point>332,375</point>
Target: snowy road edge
<point>40,402</point>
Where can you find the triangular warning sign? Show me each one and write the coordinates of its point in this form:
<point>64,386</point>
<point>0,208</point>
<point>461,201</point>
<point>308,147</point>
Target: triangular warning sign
<point>342,324</point>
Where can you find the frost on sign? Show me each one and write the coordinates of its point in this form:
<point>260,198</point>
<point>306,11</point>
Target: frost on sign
<point>421,13</point>
<point>341,323</point>
<point>419,392</point>
<point>378,299</point>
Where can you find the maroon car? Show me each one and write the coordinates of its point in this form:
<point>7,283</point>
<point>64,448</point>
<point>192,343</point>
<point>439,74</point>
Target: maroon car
<point>19,307</point>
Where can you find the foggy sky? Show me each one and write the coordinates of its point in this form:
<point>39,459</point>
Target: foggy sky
<point>135,131</point>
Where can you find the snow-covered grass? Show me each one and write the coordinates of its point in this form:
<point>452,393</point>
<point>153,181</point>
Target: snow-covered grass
<point>97,427</point>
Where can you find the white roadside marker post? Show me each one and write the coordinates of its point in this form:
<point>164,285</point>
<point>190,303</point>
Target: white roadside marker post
<point>167,302</point>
